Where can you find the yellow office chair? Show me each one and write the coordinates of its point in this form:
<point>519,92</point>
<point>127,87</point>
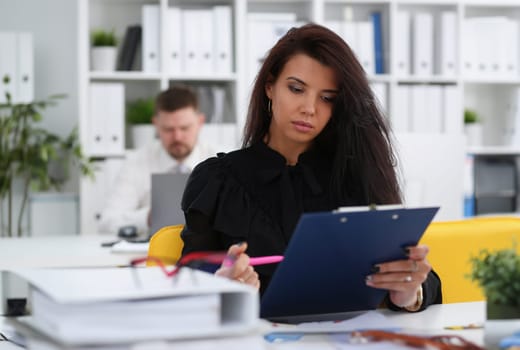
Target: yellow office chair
<point>166,245</point>
<point>452,243</point>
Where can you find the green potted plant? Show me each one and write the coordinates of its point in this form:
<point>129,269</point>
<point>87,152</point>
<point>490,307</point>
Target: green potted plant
<point>472,127</point>
<point>498,274</point>
<point>29,155</point>
<point>104,50</point>
<point>139,115</point>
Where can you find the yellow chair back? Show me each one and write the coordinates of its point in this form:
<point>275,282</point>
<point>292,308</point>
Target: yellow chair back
<point>452,243</point>
<point>166,245</point>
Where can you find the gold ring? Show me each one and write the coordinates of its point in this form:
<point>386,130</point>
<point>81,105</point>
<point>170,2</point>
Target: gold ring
<point>408,278</point>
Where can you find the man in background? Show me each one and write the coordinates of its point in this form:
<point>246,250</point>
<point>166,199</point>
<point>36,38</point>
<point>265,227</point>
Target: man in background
<point>177,121</point>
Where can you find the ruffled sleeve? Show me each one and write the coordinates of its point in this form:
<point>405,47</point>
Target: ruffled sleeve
<point>219,210</point>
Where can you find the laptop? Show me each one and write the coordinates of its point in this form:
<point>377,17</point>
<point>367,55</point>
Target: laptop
<point>166,197</point>
<point>322,276</point>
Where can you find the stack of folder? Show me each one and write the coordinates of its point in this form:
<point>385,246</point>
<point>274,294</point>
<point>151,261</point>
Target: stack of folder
<point>111,307</point>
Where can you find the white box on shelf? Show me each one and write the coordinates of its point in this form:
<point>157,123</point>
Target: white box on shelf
<point>151,38</point>
<point>422,44</point>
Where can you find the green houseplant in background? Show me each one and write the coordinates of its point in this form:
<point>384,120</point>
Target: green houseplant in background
<point>104,50</point>
<point>498,274</point>
<point>27,152</point>
<point>139,115</point>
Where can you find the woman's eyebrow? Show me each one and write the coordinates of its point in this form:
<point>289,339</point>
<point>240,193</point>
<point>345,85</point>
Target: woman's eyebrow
<point>303,83</point>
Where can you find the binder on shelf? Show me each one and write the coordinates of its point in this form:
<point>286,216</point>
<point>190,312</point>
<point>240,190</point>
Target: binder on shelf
<point>447,44</point>
<point>8,66</point>
<point>223,40</point>
<point>400,117</point>
<point>106,115</point>
<point>151,38</point>
<point>378,43</point>
<point>365,46</point>
<point>25,68</point>
<point>418,102</point>
<point>197,45</point>
<point>422,44</point>
<point>349,34</point>
<point>469,47</point>
<point>173,36</point>
<point>128,52</point>
<point>433,113</point>
<point>123,306</point>
<point>402,46</point>
<point>357,238</point>
<point>452,109</point>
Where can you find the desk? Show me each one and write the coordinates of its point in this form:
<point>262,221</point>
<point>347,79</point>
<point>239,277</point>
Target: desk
<point>429,322</point>
<point>56,251</point>
<point>59,251</point>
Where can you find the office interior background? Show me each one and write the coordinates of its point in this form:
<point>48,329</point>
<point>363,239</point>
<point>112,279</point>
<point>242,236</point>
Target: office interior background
<point>427,62</point>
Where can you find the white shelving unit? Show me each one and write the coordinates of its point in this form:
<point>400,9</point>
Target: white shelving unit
<point>432,160</point>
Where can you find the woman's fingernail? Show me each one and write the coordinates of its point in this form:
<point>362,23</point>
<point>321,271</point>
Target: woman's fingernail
<point>406,250</point>
<point>375,269</point>
<point>368,278</point>
<point>241,243</point>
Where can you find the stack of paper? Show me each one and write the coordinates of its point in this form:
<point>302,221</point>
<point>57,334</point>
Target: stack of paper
<point>122,306</point>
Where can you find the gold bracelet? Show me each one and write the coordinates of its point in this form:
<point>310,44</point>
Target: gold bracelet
<point>418,303</point>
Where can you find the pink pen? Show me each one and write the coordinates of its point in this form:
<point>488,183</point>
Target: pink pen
<point>262,260</point>
<point>258,260</point>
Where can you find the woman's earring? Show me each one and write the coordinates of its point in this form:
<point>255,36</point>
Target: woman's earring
<point>269,107</point>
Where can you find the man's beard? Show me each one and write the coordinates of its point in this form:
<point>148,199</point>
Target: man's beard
<point>179,150</point>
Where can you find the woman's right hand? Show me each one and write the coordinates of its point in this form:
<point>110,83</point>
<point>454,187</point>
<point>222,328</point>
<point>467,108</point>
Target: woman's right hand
<point>239,270</point>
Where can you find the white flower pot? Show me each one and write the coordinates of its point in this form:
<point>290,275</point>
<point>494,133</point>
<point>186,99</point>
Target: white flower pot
<point>474,132</point>
<point>142,134</point>
<point>103,58</point>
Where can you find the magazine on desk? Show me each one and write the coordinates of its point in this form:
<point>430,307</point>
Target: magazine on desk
<point>322,276</point>
<point>81,307</point>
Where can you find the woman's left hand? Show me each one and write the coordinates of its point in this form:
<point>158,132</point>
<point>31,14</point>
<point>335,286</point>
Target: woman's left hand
<point>402,278</point>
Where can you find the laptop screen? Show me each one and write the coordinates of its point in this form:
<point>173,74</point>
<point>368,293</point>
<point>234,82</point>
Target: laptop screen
<point>166,197</point>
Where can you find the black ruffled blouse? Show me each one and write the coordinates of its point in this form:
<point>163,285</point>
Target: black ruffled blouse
<point>252,195</point>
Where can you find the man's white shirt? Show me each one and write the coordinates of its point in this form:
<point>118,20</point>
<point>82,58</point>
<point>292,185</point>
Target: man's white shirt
<point>128,202</point>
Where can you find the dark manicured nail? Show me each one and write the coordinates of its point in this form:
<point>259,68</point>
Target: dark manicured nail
<point>375,269</point>
<point>406,250</point>
<point>241,243</point>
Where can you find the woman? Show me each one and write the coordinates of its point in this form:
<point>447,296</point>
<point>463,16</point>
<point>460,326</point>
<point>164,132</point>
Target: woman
<point>314,141</point>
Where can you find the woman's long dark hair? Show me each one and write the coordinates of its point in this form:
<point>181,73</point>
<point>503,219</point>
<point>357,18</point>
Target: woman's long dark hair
<point>357,136</point>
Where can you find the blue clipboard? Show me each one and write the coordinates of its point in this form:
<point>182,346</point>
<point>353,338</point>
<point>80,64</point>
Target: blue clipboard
<point>323,272</point>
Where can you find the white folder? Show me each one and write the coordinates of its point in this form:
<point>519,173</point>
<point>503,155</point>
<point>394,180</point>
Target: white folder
<point>25,68</point>
<point>510,53</point>
<point>173,39</point>
<point>222,40</point>
<point>400,117</point>
<point>452,109</point>
<point>469,47</point>
<point>197,45</point>
<point>8,65</point>
<point>422,44</point>
<point>365,46</point>
<point>350,35</point>
<point>447,44</point>
<point>151,38</point>
<point>106,119</point>
<point>143,305</point>
<point>434,111</point>
<point>402,43</point>
<point>418,103</point>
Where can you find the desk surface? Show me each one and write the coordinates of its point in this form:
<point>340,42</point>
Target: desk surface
<point>429,322</point>
<point>59,251</point>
